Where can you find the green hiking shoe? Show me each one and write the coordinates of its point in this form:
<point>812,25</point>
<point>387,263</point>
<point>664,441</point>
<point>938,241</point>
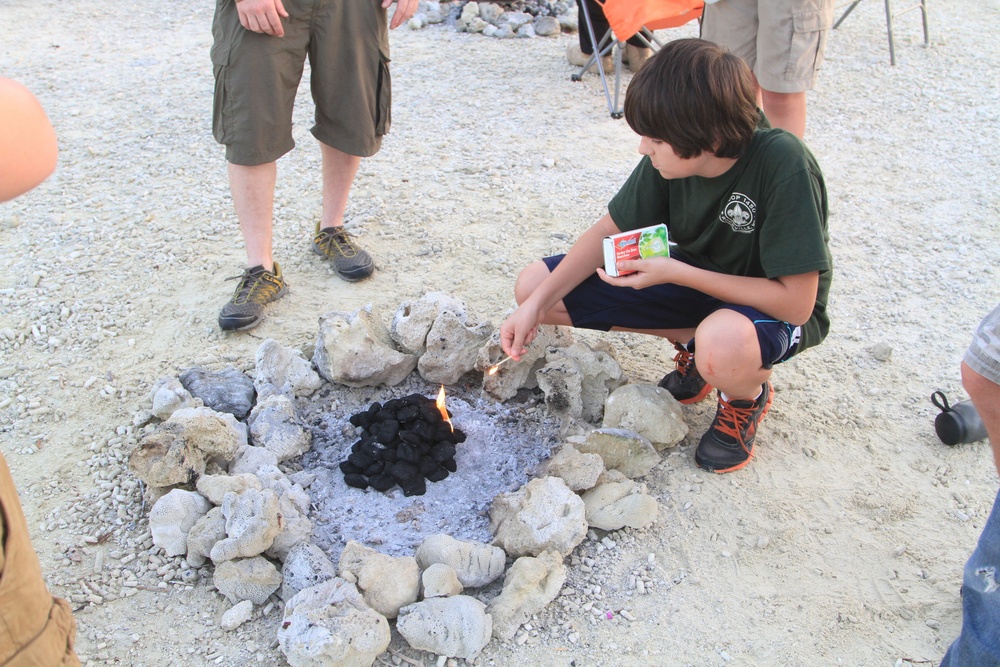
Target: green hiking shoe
<point>258,287</point>
<point>349,261</point>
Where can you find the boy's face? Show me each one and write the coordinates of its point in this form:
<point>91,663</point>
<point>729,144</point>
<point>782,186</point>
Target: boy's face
<point>670,166</point>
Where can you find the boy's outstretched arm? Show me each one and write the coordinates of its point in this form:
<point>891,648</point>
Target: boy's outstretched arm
<point>538,307</point>
<point>28,146</point>
<point>787,298</point>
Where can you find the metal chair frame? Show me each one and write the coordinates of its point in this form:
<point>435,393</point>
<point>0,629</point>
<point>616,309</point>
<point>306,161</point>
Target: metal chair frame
<point>889,16</point>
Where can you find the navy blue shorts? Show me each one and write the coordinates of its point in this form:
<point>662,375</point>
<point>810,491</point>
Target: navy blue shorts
<point>594,304</point>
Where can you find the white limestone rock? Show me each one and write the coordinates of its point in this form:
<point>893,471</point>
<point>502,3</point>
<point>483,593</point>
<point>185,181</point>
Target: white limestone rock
<point>203,535</point>
<point>305,565</point>
<point>648,410</point>
<point>457,627</point>
<point>542,515</point>
<point>387,583</point>
<point>169,395</point>
<point>440,581</point>
<point>475,563</point>
<point>250,459</point>
<point>580,471</point>
<point>355,349</point>
<point>215,487</point>
<point>530,585</point>
<point>172,517</point>
<point>277,366</point>
<point>614,505</point>
<point>252,579</point>
<point>577,380</point>
<point>622,450</point>
<point>275,426</point>
<point>252,521</point>
<point>515,375</point>
<point>453,345</point>
<point>330,624</point>
<point>236,615</point>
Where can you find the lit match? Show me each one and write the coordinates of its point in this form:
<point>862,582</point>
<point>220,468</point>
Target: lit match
<point>493,369</point>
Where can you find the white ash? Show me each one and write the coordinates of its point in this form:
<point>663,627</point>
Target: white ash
<point>505,443</point>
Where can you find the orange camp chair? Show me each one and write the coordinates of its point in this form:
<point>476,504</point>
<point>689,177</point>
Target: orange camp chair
<point>627,18</point>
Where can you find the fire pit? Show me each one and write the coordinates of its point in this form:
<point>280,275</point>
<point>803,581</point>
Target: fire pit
<point>403,441</point>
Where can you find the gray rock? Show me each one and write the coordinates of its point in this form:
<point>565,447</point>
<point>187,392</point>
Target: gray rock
<point>330,624</point>
<point>252,579</point>
<point>577,380</point>
<point>305,566</point>
<point>530,585</point>
<point>453,345</point>
<point>580,471</point>
<point>236,615</point>
<point>547,26</point>
<point>457,627</point>
<point>542,515</point>
<point>355,349</point>
<point>490,12</point>
<point>168,395</point>
<point>250,459</point>
<point>203,535</point>
<point>228,390</point>
<point>517,19</point>
<point>526,31</point>
<point>622,450</point>
<point>648,410</point>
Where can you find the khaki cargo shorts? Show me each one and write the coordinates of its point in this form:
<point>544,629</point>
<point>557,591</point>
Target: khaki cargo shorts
<point>782,40</point>
<point>257,76</point>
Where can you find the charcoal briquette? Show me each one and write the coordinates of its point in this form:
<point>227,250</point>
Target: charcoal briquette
<point>373,409</point>
<point>430,414</point>
<point>407,452</point>
<point>436,475</point>
<point>386,431</point>
<point>389,455</point>
<point>375,468</point>
<point>450,465</point>
<point>381,482</point>
<point>457,437</point>
<point>401,471</point>
<point>407,413</point>
<point>416,486</point>
<point>372,449</point>
<point>361,420</point>
<point>443,452</point>
<point>349,468</point>
<point>393,404</point>
<point>361,460</point>
<point>423,430</point>
<point>416,399</point>
<point>410,437</point>
<point>357,481</point>
<point>427,464</point>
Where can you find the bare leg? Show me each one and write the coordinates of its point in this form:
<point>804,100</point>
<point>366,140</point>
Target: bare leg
<point>339,169</point>
<point>786,110</point>
<point>728,354</point>
<point>253,197</point>
<point>985,395</point>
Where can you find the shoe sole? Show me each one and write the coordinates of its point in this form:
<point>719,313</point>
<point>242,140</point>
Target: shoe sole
<point>700,396</point>
<point>353,277</point>
<point>259,319</point>
<point>722,471</point>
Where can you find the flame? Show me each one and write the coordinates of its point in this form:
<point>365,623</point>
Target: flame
<point>493,370</point>
<point>443,410</point>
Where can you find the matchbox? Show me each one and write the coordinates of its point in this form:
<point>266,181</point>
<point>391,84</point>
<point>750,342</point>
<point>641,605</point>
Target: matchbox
<point>637,244</point>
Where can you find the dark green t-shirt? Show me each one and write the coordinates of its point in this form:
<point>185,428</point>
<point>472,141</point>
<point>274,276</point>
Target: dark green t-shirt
<point>766,217</point>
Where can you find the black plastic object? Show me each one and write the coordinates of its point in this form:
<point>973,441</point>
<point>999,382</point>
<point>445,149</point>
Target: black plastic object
<point>959,423</point>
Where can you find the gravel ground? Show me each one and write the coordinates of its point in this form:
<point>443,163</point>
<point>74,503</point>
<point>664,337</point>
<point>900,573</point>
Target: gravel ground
<point>842,544</point>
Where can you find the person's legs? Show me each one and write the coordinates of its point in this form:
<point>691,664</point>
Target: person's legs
<point>252,189</point>
<point>785,110</point>
<point>339,170</point>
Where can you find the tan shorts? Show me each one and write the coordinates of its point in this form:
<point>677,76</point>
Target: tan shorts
<point>257,77</point>
<point>782,40</point>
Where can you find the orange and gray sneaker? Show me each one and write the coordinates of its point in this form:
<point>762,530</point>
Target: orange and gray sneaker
<point>728,443</point>
<point>257,288</point>
<point>349,261</point>
<point>685,383</point>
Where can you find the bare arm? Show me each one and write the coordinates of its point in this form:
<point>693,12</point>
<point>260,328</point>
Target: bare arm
<point>28,146</point>
<point>787,298</point>
<point>580,262</point>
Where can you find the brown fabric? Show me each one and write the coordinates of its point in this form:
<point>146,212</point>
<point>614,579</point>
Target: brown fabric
<point>36,630</point>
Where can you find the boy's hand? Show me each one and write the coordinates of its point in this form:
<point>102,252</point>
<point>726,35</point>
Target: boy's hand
<point>652,271</point>
<point>517,332</point>
<point>405,9</point>
<point>262,16</point>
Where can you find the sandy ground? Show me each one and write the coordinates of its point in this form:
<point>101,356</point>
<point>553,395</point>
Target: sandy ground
<point>842,544</point>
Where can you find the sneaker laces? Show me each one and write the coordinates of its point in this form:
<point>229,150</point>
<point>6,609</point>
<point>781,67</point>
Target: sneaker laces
<point>331,239</point>
<point>733,420</point>
<point>252,280</point>
<point>683,359</point>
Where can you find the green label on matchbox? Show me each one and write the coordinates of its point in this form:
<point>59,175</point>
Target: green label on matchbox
<point>637,244</point>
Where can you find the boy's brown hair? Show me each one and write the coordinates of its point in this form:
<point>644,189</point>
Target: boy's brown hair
<point>697,97</point>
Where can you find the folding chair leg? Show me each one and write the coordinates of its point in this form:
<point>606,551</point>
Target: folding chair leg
<point>600,50</point>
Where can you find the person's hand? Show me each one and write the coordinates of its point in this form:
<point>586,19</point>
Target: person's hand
<point>652,271</point>
<point>517,332</point>
<point>405,9</point>
<point>262,16</point>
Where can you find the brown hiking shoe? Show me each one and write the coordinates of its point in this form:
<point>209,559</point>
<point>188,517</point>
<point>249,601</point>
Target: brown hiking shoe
<point>258,287</point>
<point>349,261</point>
<point>685,383</point>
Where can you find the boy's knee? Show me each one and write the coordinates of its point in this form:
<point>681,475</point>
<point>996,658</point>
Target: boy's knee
<point>529,279</point>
